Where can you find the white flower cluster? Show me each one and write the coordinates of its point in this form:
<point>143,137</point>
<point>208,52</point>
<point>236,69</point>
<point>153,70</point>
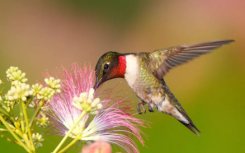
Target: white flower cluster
<point>87,102</point>
<point>54,84</point>
<point>19,91</point>
<point>47,93</point>
<point>37,140</point>
<point>36,88</point>
<point>14,74</point>
<point>42,121</point>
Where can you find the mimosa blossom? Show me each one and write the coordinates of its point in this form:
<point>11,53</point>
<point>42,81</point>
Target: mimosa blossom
<point>110,123</point>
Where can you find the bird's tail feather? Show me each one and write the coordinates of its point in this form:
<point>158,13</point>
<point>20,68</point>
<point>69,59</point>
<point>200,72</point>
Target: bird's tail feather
<point>191,127</point>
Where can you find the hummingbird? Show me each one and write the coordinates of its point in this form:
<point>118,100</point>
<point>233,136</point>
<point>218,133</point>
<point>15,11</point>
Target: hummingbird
<point>144,73</point>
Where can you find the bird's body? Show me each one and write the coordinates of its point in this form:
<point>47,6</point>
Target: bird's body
<point>144,74</point>
<point>147,87</point>
<point>153,91</point>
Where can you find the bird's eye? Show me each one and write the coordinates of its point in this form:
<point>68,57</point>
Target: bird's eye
<point>106,66</point>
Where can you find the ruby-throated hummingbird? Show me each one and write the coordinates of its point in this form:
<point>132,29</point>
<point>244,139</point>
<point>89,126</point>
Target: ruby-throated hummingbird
<point>144,73</point>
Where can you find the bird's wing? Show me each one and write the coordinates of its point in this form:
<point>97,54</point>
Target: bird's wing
<point>161,61</point>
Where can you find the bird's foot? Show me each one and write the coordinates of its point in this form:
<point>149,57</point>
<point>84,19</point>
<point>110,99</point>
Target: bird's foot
<point>150,108</point>
<point>141,105</point>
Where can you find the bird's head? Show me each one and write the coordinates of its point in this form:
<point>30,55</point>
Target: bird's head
<point>110,65</point>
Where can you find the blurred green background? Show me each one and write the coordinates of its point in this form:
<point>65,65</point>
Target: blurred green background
<point>41,35</point>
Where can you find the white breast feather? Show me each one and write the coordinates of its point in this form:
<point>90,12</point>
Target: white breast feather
<point>132,69</point>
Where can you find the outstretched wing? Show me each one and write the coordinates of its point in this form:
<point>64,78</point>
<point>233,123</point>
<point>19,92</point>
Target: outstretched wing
<point>161,61</point>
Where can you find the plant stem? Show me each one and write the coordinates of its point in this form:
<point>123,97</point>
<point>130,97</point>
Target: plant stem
<point>14,135</point>
<point>2,110</point>
<point>3,130</point>
<point>22,120</point>
<point>25,138</point>
<point>69,132</point>
<point>10,140</point>
<point>28,102</point>
<point>71,143</point>
<point>27,125</point>
<point>36,112</point>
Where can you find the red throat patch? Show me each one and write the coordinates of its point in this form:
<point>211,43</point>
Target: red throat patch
<point>119,71</point>
<point>121,67</point>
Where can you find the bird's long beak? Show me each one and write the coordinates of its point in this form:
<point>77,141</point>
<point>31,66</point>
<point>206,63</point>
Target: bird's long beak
<point>97,83</point>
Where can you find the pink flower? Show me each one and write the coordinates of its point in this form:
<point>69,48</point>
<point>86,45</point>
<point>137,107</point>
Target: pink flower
<point>98,146</point>
<point>111,124</point>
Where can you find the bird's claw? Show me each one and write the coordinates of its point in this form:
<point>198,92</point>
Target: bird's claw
<point>150,108</point>
<point>141,105</point>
